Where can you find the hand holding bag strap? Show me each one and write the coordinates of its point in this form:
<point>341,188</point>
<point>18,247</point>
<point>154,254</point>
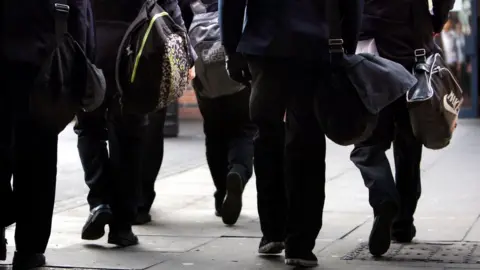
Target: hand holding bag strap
<point>334,22</point>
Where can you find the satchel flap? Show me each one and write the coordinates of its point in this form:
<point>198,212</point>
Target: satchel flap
<point>378,81</point>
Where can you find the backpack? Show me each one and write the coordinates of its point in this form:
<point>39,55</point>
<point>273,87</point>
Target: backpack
<point>212,79</point>
<point>151,69</point>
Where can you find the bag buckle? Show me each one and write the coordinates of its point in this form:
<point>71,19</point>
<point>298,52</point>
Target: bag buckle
<point>420,54</point>
<point>335,45</point>
<point>62,8</point>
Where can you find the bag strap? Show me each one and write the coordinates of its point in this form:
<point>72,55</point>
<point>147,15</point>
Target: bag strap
<point>61,13</point>
<point>334,22</point>
<point>420,53</point>
<point>198,7</point>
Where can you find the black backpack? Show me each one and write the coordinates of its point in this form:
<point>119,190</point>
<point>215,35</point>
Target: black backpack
<point>212,79</point>
<point>151,69</point>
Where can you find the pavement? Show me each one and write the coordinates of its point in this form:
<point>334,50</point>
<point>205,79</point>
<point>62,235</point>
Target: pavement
<point>185,233</point>
<point>71,188</point>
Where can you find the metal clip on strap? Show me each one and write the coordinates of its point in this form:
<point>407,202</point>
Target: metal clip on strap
<point>62,8</point>
<point>335,45</point>
<point>420,54</point>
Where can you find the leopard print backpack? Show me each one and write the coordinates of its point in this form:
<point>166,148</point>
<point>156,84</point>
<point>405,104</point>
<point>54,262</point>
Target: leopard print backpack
<point>151,70</point>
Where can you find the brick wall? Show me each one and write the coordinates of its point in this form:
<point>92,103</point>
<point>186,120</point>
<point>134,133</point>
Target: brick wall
<point>188,108</point>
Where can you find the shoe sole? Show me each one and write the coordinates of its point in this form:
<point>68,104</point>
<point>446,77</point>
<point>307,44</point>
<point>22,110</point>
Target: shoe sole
<point>380,237</point>
<point>301,263</point>
<point>96,229</point>
<point>32,263</point>
<point>122,242</point>
<point>232,206</point>
<point>273,248</point>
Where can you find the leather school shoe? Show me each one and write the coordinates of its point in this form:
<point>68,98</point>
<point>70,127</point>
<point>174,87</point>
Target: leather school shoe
<point>380,236</point>
<point>232,206</point>
<point>3,245</point>
<point>268,247</point>
<point>143,217</point>
<point>99,217</point>
<point>404,236</point>
<point>305,260</point>
<point>122,236</point>
<point>27,261</point>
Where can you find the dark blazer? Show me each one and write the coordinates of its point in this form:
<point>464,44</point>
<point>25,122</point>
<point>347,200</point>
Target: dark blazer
<point>285,28</point>
<point>401,26</point>
<point>27,28</point>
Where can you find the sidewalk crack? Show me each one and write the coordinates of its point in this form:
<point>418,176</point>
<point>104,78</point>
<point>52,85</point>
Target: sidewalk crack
<point>471,228</point>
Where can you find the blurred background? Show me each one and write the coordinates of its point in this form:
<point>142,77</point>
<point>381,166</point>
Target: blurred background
<point>459,43</point>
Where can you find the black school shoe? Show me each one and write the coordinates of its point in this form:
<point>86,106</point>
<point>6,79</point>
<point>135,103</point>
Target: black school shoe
<point>268,247</point>
<point>232,206</point>
<point>122,236</point>
<point>143,217</point>
<point>3,245</point>
<point>94,227</point>
<point>27,261</point>
<point>380,236</point>
<point>305,260</point>
<point>404,236</point>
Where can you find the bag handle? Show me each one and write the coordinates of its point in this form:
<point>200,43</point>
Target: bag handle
<point>198,7</point>
<point>334,22</point>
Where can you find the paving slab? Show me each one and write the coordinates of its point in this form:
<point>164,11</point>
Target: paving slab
<point>228,253</point>
<point>347,252</point>
<point>438,229</point>
<point>450,253</point>
<point>102,257</point>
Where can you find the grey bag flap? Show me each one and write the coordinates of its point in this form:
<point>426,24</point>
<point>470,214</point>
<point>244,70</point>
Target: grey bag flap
<point>379,81</point>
